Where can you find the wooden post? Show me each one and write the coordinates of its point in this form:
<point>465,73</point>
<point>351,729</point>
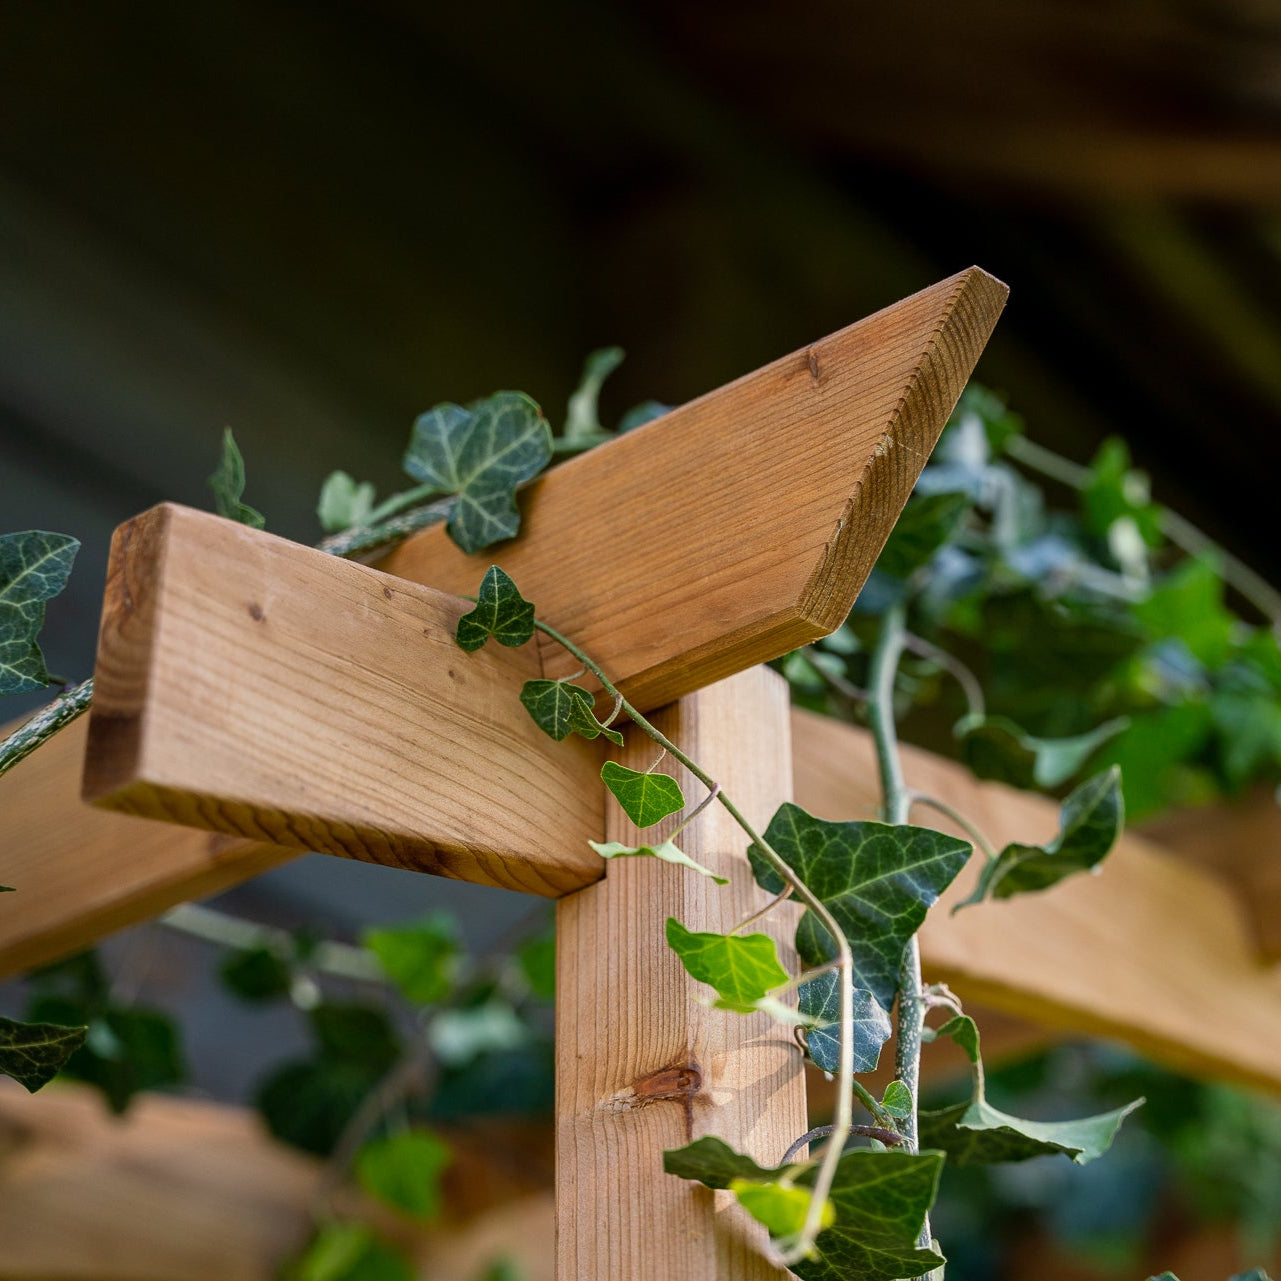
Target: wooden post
<point>642,1062</point>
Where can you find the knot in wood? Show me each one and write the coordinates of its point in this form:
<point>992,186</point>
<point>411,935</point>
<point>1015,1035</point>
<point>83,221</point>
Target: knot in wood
<point>678,1081</point>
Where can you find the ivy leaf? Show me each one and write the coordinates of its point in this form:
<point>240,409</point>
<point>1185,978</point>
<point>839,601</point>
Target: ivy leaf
<point>820,1001</point>
<point>34,1053</point>
<point>639,415</point>
<point>1188,604</point>
<point>33,569</point>
<point>742,968</point>
<point>897,1100</point>
<point>780,1207</point>
<point>259,974</point>
<point>501,612</point>
<point>344,502</point>
<point>995,747</point>
<point>404,1171</point>
<point>1153,751</point>
<point>348,1252</point>
<point>582,419</point>
<point>876,879</point>
<point>965,1032</point>
<point>666,850</point>
<point>421,959</point>
<point>481,454</point>
<point>358,1034</point>
<point>228,483</point>
<point>926,524</point>
<point>1089,822</point>
<point>503,1269</point>
<point>715,1164</point>
<point>646,798</point>
<point>560,709</point>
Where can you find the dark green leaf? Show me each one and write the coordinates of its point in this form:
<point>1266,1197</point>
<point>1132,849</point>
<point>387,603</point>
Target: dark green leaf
<point>404,1171</point>
<point>34,1053</point>
<point>344,502</point>
<point>742,968</point>
<point>582,418</point>
<point>358,1034</point>
<point>877,880</point>
<point>519,1082</point>
<point>668,851</point>
<point>228,484</point>
<point>1187,604</point>
<point>713,1162</point>
<point>995,747</point>
<point>639,415</point>
<point>257,975</point>
<point>965,1032</point>
<point>560,709</point>
<point>1247,724</point>
<point>537,960</point>
<point>481,454</point>
<point>421,958</point>
<point>926,524</point>
<point>33,569</point>
<point>348,1252</point>
<point>501,612</point>
<point>1089,822</point>
<point>820,1000</point>
<point>897,1100</point>
<point>1116,492</point>
<point>646,798</point>
<point>308,1104</point>
<point>780,1207</point>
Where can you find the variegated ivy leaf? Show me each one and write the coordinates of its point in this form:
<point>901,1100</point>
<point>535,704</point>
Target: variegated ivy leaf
<point>666,850</point>
<point>877,880</point>
<point>715,1164</point>
<point>994,747</point>
<point>560,709</point>
<point>742,968</point>
<point>33,568</point>
<point>501,612</point>
<point>34,1053</point>
<point>647,798</point>
<point>897,1100</point>
<point>781,1207</point>
<point>344,502</point>
<point>228,483</point>
<point>1089,822</point>
<point>820,1002</point>
<point>481,454</point>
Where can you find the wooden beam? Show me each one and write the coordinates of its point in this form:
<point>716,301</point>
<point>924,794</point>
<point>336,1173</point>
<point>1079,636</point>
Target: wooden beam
<point>260,688</point>
<point>1153,951</point>
<point>642,1062</point>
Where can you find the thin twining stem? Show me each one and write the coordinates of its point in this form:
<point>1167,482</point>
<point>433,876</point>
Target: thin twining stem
<point>364,538</point>
<point>613,714</point>
<point>45,723</point>
<point>891,1138</point>
<point>846,689</point>
<point>696,811</point>
<point>763,911</point>
<point>975,703</point>
<point>844,1117</point>
<point>971,829</point>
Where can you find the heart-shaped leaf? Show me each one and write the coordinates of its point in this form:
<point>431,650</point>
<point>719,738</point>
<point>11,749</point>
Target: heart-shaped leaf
<point>560,709</point>
<point>665,850</point>
<point>34,1053</point>
<point>994,747</point>
<point>742,968</point>
<point>501,612</point>
<point>646,798</point>
<point>820,1002</point>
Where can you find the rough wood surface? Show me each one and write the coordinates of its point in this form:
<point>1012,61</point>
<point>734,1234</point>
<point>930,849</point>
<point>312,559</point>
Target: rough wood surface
<point>742,524</point>
<point>260,688</point>
<point>642,1063</point>
<point>1153,950</point>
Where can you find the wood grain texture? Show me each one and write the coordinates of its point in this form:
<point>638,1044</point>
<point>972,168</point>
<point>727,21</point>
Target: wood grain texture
<point>253,686</point>
<point>744,523</point>
<point>642,1063</point>
<point>1153,951</point>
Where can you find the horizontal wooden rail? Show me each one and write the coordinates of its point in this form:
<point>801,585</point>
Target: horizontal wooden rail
<point>1153,950</point>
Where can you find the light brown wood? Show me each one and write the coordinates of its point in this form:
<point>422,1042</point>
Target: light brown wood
<point>744,523</point>
<point>1153,950</point>
<point>260,688</point>
<point>642,1063</point>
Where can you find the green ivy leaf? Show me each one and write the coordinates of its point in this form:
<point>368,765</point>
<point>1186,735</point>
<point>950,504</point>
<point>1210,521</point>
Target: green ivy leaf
<point>877,880</point>
<point>1115,491</point>
<point>348,1252</point>
<point>560,709</point>
<point>1089,822</point>
<point>309,1103</point>
<point>421,958</point>
<point>1152,753</point>
<point>501,612</point>
<point>714,1163</point>
<point>582,419</point>
<point>926,524</point>
<point>404,1171</point>
<point>780,1207</point>
<point>34,1053</point>
<point>639,415</point>
<point>537,960</point>
<point>965,1032</point>
<point>666,850</point>
<point>646,798</point>
<point>344,502</point>
<point>995,747</point>
<point>897,1100</point>
<point>820,1001</point>
<point>259,974</point>
<point>228,483</point>
<point>742,968</point>
<point>360,1034</point>
<point>34,566</point>
<point>1187,604</point>
<point>503,1269</point>
<point>481,454</point>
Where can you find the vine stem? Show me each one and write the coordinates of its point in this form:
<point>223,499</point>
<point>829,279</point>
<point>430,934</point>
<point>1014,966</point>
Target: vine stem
<point>45,724</point>
<point>971,829</point>
<point>975,703</point>
<point>896,801</point>
<point>844,1116</point>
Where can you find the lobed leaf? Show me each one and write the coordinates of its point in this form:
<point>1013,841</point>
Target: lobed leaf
<point>34,566</point>
<point>34,1053</point>
<point>666,850</point>
<point>560,709</point>
<point>344,502</point>
<point>742,968</point>
<point>1090,820</point>
<point>715,1164</point>
<point>501,612</point>
<point>228,484</point>
<point>820,1002</point>
<point>647,798</point>
<point>404,1171</point>
<point>996,747</point>
<point>877,880</point>
<point>481,454</point>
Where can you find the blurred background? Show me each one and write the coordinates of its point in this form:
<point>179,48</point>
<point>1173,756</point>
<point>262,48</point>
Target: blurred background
<point>310,222</point>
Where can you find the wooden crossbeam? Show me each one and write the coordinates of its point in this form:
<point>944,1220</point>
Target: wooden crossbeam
<point>1154,951</point>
